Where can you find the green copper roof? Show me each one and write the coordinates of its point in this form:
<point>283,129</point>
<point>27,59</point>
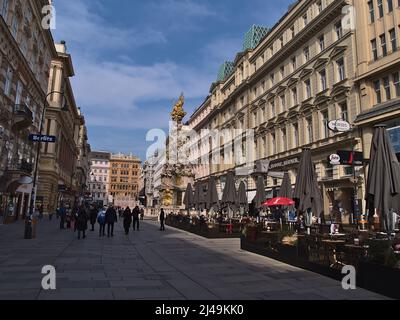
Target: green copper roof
<point>225,70</point>
<point>253,37</point>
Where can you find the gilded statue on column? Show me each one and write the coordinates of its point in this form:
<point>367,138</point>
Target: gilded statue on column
<point>178,113</point>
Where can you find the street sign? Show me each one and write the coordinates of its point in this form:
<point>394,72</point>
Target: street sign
<point>42,138</point>
<point>339,126</point>
<point>334,159</point>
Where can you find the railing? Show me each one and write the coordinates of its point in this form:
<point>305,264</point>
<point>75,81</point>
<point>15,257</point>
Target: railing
<point>21,165</point>
<point>22,109</point>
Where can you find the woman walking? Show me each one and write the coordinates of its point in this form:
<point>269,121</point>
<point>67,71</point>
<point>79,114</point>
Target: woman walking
<point>93,216</point>
<point>135,215</point>
<point>127,220</point>
<point>101,219</point>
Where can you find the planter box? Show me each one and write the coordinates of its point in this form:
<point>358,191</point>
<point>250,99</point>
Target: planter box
<point>204,231</point>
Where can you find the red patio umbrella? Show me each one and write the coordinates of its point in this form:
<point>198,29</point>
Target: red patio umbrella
<point>279,202</point>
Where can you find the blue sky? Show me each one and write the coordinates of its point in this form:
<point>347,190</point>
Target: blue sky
<point>133,58</point>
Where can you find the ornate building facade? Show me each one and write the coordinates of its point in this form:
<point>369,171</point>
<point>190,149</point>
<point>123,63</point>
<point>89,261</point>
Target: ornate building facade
<point>286,88</point>
<point>99,179</point>
<point>26,52</point>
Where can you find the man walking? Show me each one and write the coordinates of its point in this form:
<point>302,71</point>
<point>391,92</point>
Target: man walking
<point>101,219</point>
<point>111,219</point>
<point>63,214</point>
<point>162,219</point>
<point>135,218</point>
<point>81,222</point>
<point>93,216</point>
<point>127,220</point>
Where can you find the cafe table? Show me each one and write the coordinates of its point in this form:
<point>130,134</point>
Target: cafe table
<point>332,246</point>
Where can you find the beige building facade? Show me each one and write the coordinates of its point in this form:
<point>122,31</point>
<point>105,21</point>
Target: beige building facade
<point>314,66</point>
<point>125,180</point>
<point>59,176</point>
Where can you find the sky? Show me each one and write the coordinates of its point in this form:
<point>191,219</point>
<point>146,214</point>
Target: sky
<point>133,59</point>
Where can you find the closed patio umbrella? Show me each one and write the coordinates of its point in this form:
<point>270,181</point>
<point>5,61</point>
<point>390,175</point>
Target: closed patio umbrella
<point>306,193</point>
<point>286,190</point>
<point>383,184</point>
<point>229,194</point>
<point>242,200</point>
<point>261,195</point>
<point>212,199</point>
<point>189,197</point>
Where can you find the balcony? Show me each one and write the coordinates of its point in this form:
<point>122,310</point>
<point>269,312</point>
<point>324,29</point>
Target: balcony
<point>15,170</point>
<point>21,166</point>
<point>23,117</point>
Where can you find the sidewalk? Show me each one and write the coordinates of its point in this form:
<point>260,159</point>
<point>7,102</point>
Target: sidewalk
<point>150,264</point>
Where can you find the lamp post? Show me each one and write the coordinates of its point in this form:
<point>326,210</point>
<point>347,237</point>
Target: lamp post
<point>39,144</point>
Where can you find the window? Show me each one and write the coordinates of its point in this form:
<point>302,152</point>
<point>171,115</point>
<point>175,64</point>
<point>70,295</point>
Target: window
<point>7,85</point>
<point>322,76</point>
<point>322,43</point>
<point>374,49</point>
<point>383,45</point>
<point>307,84</point>
<point>344,113</point>
<point>378,94</point>
<point>380,8</point>
<point>18,94</point>
<point>393,39</point>
<point>273,143</point>
<point>14,27</point>
<point>283,102</point>
<point>294,96</point>
<point>319,6</point>
<point>396,82</point>
<point>272,76</point>
<point>306,52</point>
<point>294,65</point>
<point>292,32</point>
<point>341,69</point>
<point>386,85</point>
<point>325,122</point>
<point>4,9</point>
<point>273,110</point>
<point>296,135</point>
<point>281,41</point>
<point>339,30</point>
<point>284,140</point>
<point>309,124</point>
<point>305,19</point>
<point>371,11</point>
<point>282,69</point>
<point>390,5</point>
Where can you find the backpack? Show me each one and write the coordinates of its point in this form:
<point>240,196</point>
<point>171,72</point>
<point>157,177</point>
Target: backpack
<point>102,218</point>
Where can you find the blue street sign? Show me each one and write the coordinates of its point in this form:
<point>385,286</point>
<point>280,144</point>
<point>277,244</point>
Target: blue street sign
<point>42,138</point>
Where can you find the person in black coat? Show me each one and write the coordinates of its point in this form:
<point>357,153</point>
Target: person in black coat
<point>162,219</point>
<point>111,219</point>
<point>135,218</point>
<point>81,222</point>
<point>93,216</point>
<point>127,220</point>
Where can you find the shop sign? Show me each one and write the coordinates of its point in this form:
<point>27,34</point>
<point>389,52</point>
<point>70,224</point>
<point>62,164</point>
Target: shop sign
<point>284,163</point>
<point>339,126</point>
<point>350,158</point>
<point>334,159</point>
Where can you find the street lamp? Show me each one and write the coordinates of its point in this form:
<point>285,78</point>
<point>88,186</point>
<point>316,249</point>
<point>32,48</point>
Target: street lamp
<point>35,176</point>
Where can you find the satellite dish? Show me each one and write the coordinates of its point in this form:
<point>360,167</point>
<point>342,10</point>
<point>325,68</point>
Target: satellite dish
<point>25,180</point>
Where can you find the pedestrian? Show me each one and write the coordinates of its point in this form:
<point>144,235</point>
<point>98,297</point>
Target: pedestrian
<point>111,219</point>
<point>127,220</point>
<point>135,218</point>
<point>142,214</point>
<point>93,216</point>
<point>101,219</point>
<point>40,210</point>
<point>162,219</point>
<point>63,216</point>
<point>81,222</point>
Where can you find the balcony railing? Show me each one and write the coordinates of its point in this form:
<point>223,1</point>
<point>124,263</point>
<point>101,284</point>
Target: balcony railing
<point>21,165</point>
<point>23,117</point>
<point>22,110</point>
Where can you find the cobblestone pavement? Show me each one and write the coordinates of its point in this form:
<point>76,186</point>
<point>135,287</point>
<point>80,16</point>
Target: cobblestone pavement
<point>150,264</point>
